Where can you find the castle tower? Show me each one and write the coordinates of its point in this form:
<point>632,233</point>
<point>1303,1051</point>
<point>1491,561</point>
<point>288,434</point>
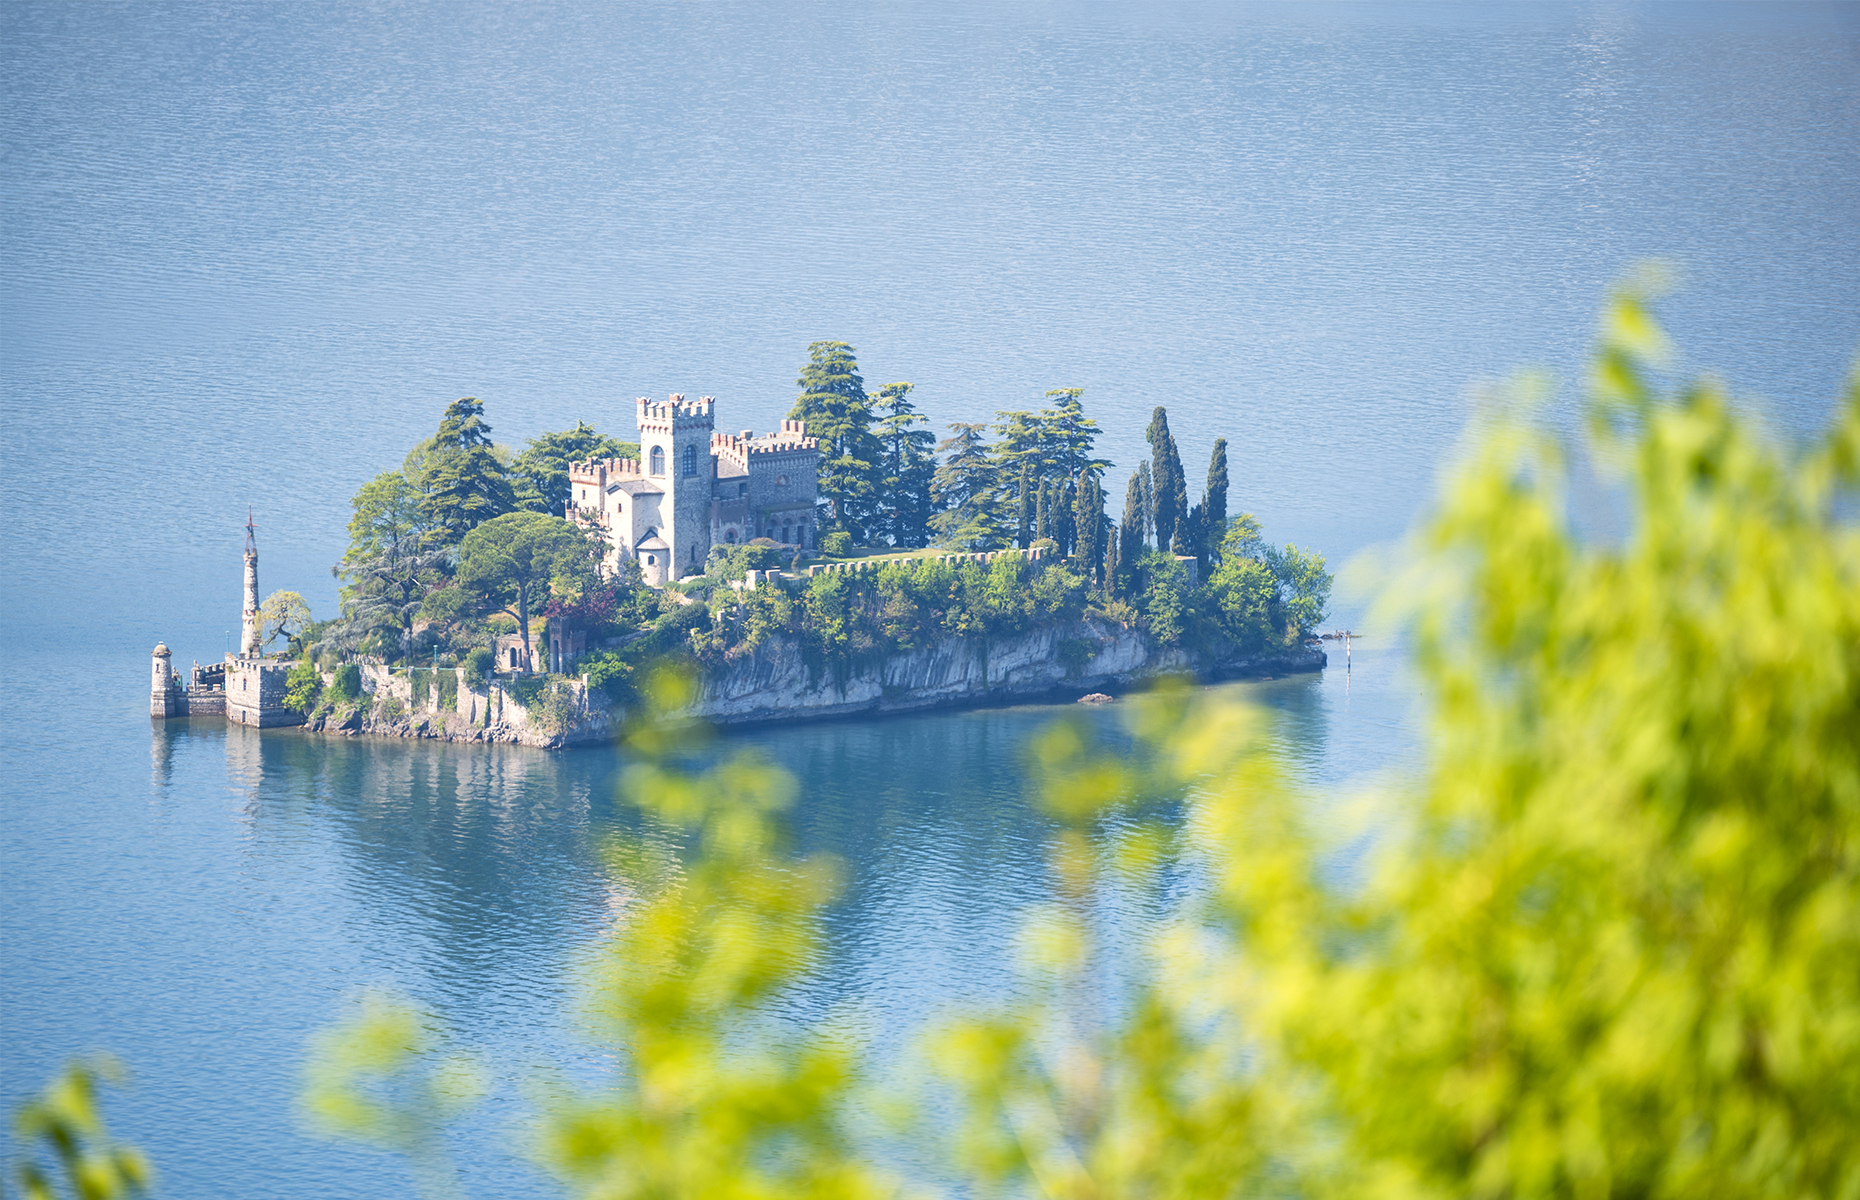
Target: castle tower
<point>248,637</point>
<point>674,449</point>
<point>162,699</point>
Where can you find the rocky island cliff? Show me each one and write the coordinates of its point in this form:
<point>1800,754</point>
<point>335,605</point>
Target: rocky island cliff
<point>777,682</point>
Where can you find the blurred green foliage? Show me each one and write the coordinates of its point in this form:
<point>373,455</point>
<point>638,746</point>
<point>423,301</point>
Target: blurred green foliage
<point>1604,946</point>
<point>381,1078</point>
<point>63,1122</point>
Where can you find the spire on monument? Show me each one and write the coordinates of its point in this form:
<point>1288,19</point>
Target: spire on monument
<point>248,635</point>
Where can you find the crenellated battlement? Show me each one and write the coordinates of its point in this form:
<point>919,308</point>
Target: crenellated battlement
<point>675,413</point>
<point>600,472</point>
<point>740,449</point>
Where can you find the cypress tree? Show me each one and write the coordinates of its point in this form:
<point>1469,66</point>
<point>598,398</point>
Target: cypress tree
<point>1043,517</point>
<point>1024,533</point>
<point>1214,503</point>
<point>1111,539</point>
<point>1088,524</point>
<point>1146,509</point>
<point>1162,478</point>
<point>1130,546</point>
<point>1064,531</point>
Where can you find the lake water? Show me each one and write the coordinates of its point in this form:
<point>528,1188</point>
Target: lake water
<point>249,252</point>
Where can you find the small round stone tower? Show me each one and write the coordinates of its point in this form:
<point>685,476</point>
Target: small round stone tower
<point>248,636</point>
<point>161,691</point>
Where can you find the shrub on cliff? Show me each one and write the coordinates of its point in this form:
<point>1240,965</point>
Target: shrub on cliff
<point>478,666</point>
<point>669,640</point>
<point>302,687</point>
<point>345,686</point>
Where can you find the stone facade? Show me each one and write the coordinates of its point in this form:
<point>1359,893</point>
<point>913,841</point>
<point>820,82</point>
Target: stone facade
<point>693,488</point>
<point>255,692</point>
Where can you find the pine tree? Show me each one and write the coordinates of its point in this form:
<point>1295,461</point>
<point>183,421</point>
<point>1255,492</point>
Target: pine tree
<point>907,464</point>
<point>540,474</point>
<point>1067,434</point>
<point>461,481</point>
<point>964,488</point>
<point>838,412</point>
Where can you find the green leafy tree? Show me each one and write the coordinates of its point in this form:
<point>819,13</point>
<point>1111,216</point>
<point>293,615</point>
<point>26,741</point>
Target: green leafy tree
<point>283,615</point>
<point>907,467</point>
<point>539,476</point>
<point>838,412</point>
<point>462,482</point>
<point>1303,585</point>
<point>510,561</point>
<point>1166,603</point>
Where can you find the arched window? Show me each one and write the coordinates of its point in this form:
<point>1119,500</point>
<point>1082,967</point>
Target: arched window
<point>729,535</point>
<point>787,533</point>
<point>658,460</point>
<point>691,460</point>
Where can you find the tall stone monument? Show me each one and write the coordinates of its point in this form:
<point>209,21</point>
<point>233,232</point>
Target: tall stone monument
<point>248,637</point>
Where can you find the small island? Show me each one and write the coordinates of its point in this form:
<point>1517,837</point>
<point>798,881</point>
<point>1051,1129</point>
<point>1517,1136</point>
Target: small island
<point>845,563</point>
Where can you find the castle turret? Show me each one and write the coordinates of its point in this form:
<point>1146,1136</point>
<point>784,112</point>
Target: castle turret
<point>248,637</point>
<point>674,442</point>
<point>163,698</point>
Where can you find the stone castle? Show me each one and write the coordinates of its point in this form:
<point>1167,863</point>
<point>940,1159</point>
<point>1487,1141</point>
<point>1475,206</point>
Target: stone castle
<point>693,488</point>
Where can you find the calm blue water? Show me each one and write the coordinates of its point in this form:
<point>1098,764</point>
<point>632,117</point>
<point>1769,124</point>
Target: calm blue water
<point>248,253</point>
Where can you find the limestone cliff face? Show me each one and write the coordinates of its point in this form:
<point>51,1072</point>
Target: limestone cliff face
<point>776,683</point>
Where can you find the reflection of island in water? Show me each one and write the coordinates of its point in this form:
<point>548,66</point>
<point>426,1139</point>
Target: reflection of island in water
<point>474,872</point>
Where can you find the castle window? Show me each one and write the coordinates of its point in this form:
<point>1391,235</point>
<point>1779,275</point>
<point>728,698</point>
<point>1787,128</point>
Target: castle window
<point>729,535</point>
<point>658,460</point>
<point>691,460</point>
<point>742,489</point>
